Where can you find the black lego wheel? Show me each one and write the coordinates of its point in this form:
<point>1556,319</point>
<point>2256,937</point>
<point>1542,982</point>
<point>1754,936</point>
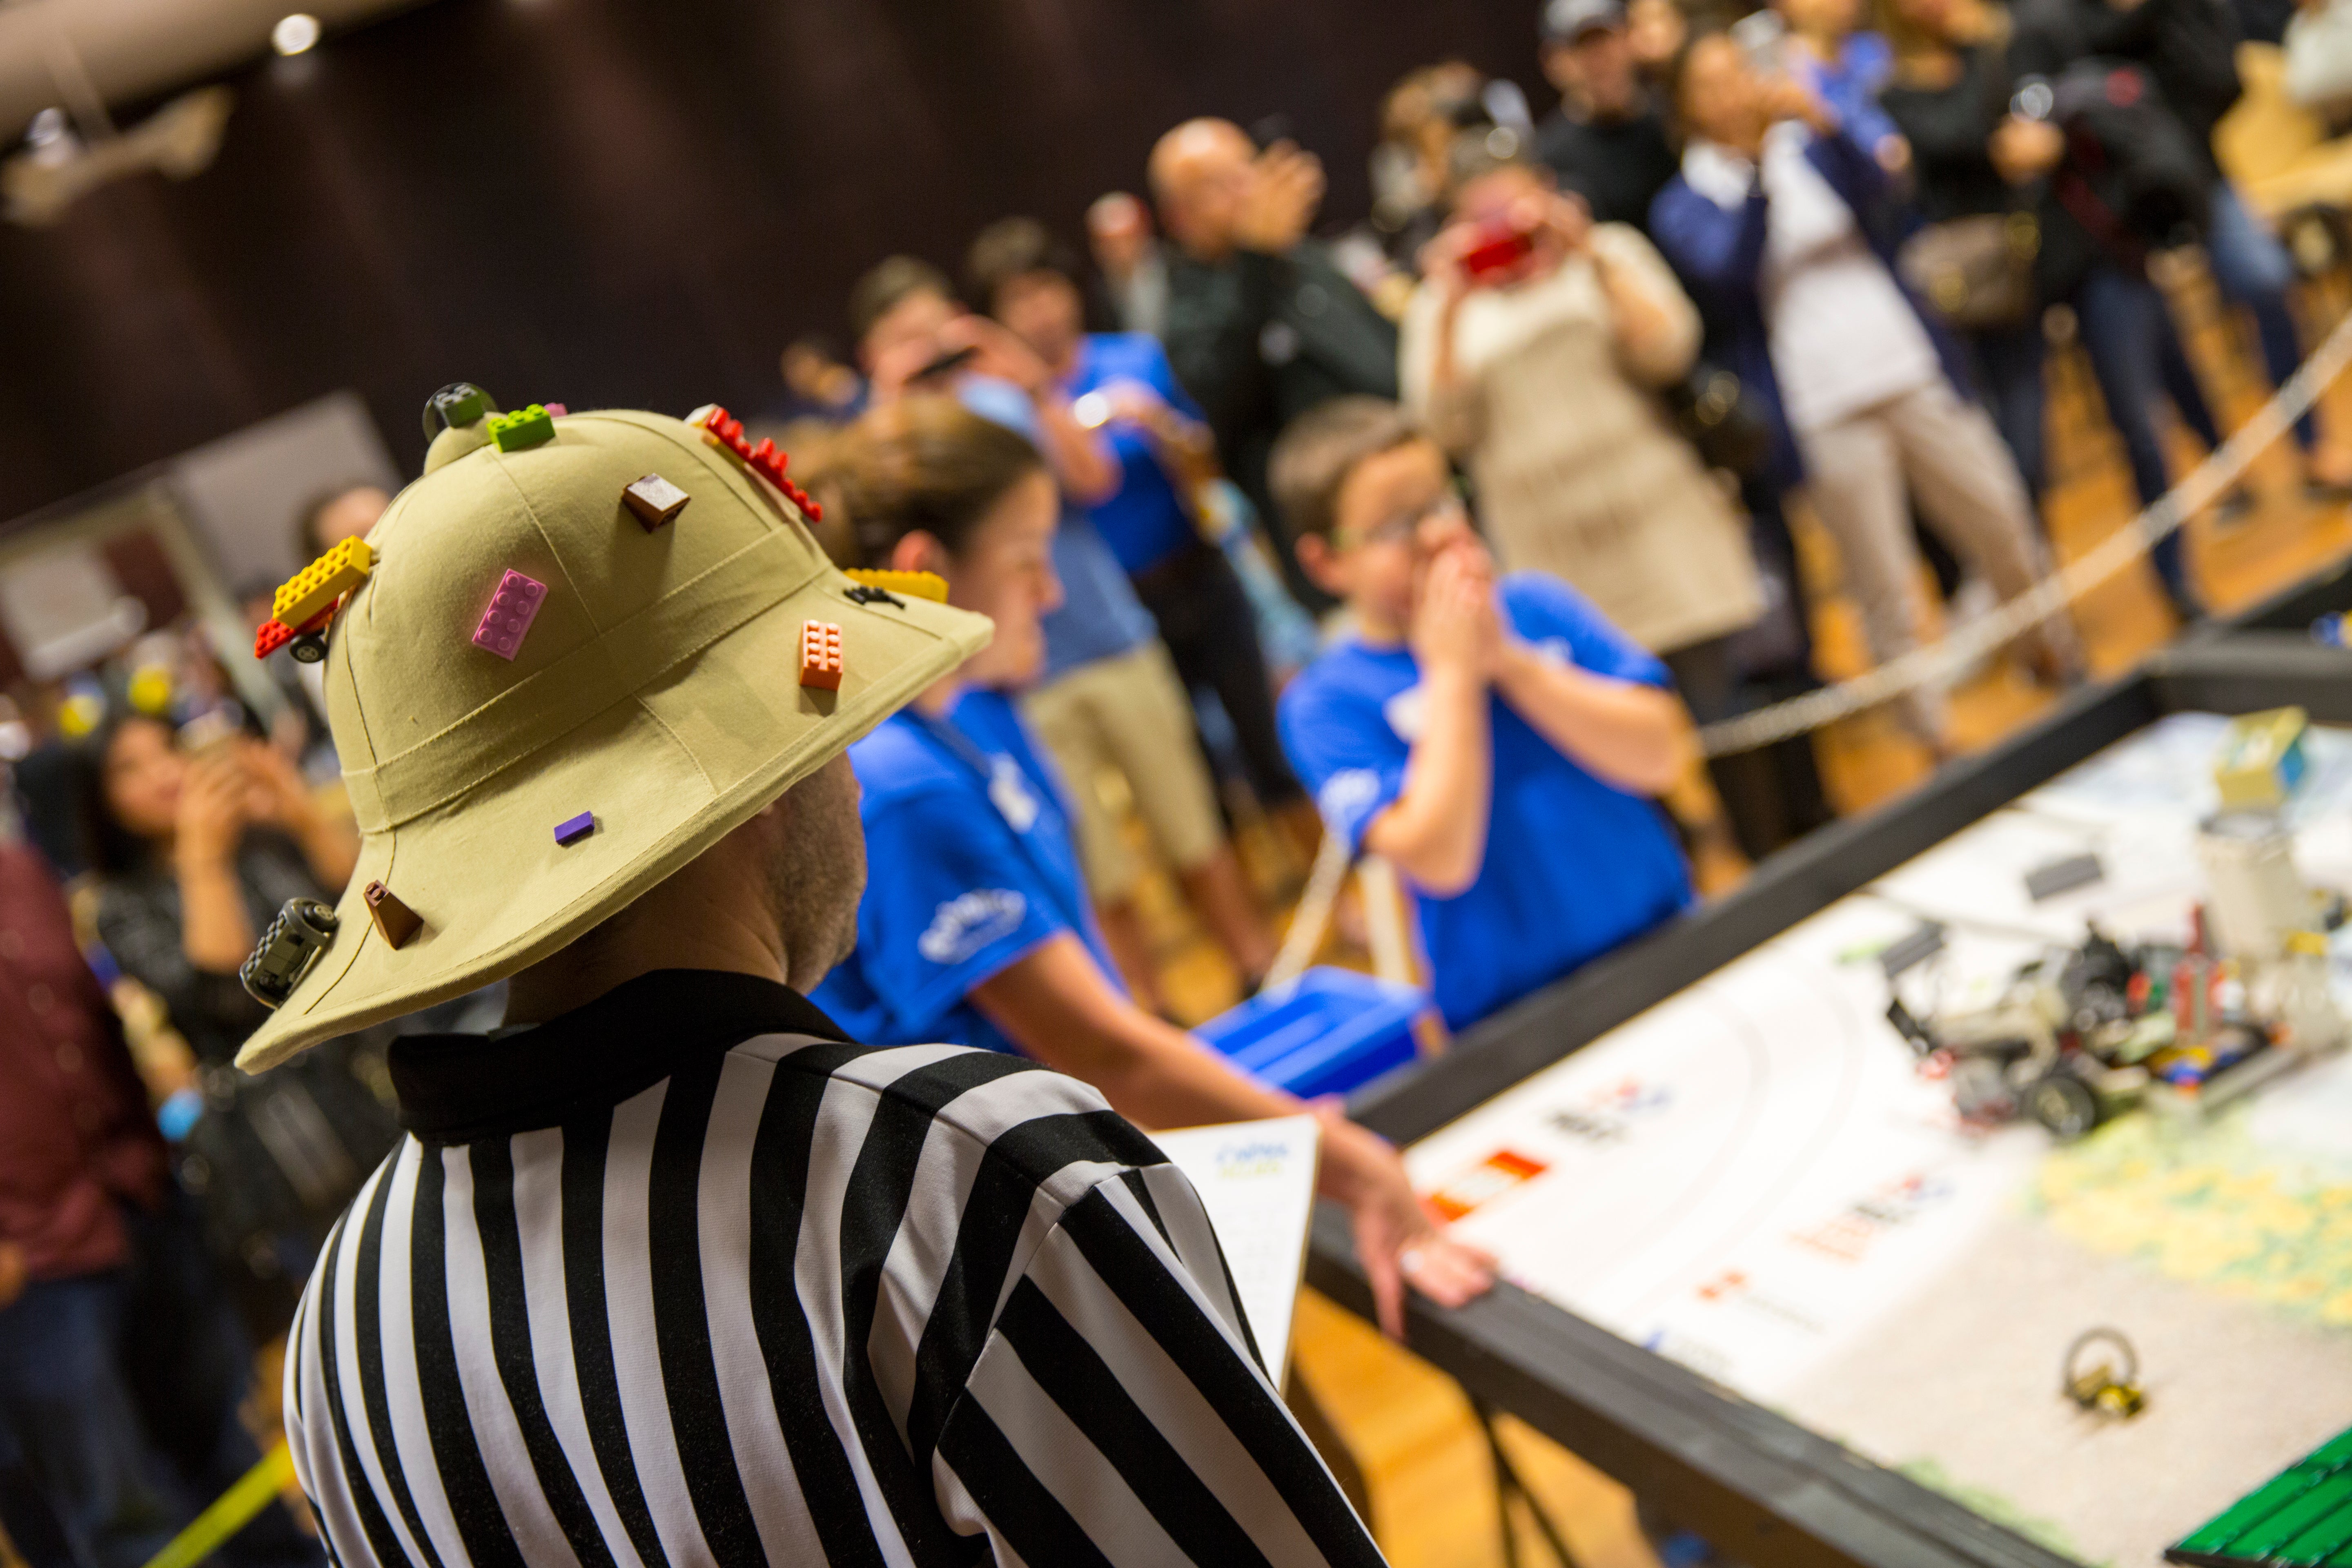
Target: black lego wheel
<point>310,649</point>
<point>2065,1104</point>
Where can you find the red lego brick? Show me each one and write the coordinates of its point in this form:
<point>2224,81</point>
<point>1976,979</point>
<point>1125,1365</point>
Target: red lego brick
<point>271,637</point>
<point>821,655</point>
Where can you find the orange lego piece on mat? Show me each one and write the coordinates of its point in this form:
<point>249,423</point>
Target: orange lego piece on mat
<point>821,655</point>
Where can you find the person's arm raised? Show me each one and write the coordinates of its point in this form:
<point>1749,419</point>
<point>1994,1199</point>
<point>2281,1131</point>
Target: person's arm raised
<point>1626,734</point>
<point>1054,1003</point>
<point>1435,832</point>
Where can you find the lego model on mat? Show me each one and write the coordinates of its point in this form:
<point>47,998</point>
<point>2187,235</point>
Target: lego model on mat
<point>2301,1517</point>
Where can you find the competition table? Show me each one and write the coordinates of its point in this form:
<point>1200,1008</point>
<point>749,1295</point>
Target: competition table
<point>1760,1273</point>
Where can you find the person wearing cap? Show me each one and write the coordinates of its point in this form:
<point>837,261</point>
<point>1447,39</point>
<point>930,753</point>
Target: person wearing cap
<point>668,1269</point>
<point>1607,142</point>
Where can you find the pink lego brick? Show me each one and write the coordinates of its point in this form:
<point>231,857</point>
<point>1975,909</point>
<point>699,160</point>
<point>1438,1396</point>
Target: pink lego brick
<point>513,609</point>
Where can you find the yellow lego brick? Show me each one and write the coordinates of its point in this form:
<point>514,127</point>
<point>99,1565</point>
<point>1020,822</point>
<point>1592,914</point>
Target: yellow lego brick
<point>322,582</point>
<point>913,585</point>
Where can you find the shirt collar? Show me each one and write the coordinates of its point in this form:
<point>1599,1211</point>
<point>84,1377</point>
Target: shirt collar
<point>455,1089</point>
<point>1718,173</point>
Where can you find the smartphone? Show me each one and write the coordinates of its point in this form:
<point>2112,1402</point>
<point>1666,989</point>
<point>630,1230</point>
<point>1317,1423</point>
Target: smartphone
<point>947,364</point>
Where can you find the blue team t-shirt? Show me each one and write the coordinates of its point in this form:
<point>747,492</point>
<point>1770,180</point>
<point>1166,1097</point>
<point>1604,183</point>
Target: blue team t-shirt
<point>1099,615</point>
<point>1146,522</point>
<point>1573,866</point>
<point>966,872</point>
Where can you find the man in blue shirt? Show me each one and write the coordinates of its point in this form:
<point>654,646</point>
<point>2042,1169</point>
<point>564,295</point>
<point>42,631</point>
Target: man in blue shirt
<point>1495,741</point>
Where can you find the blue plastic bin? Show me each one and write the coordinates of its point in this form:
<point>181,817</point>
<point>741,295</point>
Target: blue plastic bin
<point>1326,1035</point>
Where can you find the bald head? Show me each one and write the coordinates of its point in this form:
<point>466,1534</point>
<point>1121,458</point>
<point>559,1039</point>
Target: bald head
<point>1199,173</point>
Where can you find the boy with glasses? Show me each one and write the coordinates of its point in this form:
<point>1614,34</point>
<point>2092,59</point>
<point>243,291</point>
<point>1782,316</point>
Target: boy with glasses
<point>1496,740</point>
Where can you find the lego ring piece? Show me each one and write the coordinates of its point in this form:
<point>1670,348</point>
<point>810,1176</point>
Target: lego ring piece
<point>2106,1389</point>
<point>287,949</point>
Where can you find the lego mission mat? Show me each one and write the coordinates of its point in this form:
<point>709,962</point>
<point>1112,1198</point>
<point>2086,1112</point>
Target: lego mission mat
<point>1754,1178</point>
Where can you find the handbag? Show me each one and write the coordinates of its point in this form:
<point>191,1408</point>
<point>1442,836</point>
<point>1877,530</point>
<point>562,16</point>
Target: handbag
<point>1974,273</point>
<point>1717,413</point>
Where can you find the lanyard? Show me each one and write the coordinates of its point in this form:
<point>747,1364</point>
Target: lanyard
<point>960,746</point>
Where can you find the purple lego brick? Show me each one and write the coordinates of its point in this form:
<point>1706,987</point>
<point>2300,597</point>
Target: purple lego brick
<point>512,610</point>
<point>576,828</point>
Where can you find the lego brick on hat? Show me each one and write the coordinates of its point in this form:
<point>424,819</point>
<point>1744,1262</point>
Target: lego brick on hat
<point>913,585</point>
<point>513,609</point>
<point>314,589</point>
<point>821,655</point>
<point>396,920</point>
<point>572,829</point>
<point>654,499</point>
<point>531,427</point>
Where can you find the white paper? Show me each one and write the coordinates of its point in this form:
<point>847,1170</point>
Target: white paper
<point>1256,1179</point>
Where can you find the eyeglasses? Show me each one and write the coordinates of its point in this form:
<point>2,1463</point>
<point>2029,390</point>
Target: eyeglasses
<point>1400,527</point>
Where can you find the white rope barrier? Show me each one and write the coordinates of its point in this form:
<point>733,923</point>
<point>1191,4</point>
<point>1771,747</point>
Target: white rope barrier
<point>1313,916</point>
<point>2222,468</point>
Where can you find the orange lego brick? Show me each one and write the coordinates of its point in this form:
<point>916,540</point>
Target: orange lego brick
<point>821,655</point>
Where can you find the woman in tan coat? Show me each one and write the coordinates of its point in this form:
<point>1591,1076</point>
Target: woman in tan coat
<point>1537,364</point>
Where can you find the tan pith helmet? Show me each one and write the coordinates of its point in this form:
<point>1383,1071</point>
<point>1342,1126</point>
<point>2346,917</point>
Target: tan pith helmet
<point>655,689</point>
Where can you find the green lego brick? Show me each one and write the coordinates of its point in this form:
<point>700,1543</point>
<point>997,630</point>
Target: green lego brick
<point>2221,1533</point>
<point>2331,1534</point>
<point>2332,1454</point>
<point>2315,1503</point>
<point>466,407</point>
<point>524,428</point>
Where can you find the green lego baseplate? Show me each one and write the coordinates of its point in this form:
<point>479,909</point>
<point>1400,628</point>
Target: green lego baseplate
<point>2301,1518</point>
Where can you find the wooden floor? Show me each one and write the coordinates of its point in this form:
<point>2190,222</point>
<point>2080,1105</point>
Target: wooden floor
<point>1408,1424</point>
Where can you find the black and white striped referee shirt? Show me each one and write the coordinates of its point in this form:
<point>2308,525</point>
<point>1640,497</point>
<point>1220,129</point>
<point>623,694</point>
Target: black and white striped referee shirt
<point>682,1278</point>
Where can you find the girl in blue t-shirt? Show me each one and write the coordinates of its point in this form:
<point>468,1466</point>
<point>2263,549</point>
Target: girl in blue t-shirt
<point>974,926</point>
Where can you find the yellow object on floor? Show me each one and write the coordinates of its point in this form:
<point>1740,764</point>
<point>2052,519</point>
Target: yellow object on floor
<point>231,1511</point>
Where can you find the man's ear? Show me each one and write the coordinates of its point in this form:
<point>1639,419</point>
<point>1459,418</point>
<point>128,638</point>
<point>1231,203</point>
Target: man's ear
<point>919,551</point>
<point>1322,564</point>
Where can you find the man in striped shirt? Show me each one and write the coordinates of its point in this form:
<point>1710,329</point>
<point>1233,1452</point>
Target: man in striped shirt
<point>667,1272</point>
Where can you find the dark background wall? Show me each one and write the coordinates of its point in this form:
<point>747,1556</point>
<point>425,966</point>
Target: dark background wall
<point>630,202</point>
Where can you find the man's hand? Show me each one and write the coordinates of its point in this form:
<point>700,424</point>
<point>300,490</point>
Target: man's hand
<point>997,352</point>
<point>1785,98</point>
<point>12,1272</point>
<point>2023,150</point>
<point>1397,1238</point>
<point>1455,626</point>
<point>1285,186</point>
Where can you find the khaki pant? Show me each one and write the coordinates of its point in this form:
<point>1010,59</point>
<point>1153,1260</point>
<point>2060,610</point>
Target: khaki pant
<point>1944,451</point>
<point>1129,712</point>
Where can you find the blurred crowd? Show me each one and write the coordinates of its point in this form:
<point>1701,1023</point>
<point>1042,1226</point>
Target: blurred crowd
<point>1571,373</point>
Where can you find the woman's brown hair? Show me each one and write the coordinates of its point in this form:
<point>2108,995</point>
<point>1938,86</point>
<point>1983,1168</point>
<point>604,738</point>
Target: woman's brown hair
<point>925,465</point>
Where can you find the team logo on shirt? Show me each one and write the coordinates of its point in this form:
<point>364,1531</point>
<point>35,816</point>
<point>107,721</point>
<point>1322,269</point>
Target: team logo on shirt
<point>1406,712</point>
<point>1346,795</point>
<point>1009,791</point>
<point>970,921</point>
